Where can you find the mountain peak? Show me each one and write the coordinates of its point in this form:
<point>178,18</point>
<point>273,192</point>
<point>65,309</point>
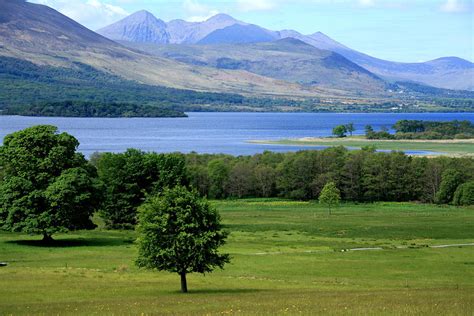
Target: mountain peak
<point>221,17</point>
<point>142,16</point>
<point>140,27</point>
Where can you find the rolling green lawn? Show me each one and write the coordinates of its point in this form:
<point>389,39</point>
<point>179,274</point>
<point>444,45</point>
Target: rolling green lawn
<point>287,258</point>
<point>447,147</point>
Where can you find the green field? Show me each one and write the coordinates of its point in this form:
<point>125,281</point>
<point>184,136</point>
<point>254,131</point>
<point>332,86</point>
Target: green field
<point>446,147</point>
<point>287,258</point>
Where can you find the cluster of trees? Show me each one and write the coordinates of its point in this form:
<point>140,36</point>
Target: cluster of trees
<point>52,175</point>
<point>416,129</point>
<point>429,129</point>
<point>361,176</point>
<point>47,187</point>
<point>91,109</point>
<point>342,130</point>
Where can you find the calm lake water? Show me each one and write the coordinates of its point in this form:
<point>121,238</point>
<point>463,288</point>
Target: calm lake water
<point>211,132</point>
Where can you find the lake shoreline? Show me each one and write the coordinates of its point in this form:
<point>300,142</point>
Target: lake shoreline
<point>444,147</point>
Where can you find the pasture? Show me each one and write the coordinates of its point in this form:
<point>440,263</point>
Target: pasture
<point>287,258</point>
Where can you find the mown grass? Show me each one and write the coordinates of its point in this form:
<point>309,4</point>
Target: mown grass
<point>449,148</point>
<point>287,258</point>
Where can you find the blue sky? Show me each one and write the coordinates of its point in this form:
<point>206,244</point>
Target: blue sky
<point>399,30</point>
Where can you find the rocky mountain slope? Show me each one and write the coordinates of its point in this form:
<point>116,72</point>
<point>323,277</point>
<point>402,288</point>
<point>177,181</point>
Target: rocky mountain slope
<point>450,72</point>
<point>41,35</point>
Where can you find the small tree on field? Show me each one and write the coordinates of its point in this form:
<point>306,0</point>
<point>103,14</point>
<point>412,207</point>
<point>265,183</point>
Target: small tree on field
<point>350,128</point>
<point>339,131</point>
<point>180,232</point>
<point>330,196</point>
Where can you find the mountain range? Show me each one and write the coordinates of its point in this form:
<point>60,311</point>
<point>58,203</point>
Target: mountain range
<point>448,72</point>
<point>49,57</point>
<point>39,34</point>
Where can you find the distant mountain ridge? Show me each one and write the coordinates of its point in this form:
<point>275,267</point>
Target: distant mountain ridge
<point>445,72</point>
<point>39,34</point>
<point>286,59</point>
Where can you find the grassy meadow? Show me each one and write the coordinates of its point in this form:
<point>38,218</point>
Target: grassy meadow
<point>454,148</point>
<point>287,258</point>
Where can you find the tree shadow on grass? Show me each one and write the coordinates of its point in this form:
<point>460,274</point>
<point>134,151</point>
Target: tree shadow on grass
<point>224,291</point>
<point>74,242</point>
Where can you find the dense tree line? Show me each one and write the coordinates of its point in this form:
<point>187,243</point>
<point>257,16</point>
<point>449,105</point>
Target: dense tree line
<point>91,109</point>
<point>43,179</point>
<point>362,176</point>
<point>416,129</point>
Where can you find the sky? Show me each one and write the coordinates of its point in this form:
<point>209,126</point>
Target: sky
<point>397,30</point>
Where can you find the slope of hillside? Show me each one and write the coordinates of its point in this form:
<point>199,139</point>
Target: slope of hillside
<point>288,59</point>
<point>447,72</point>
<point>238,34</point>
<point>42,35</point>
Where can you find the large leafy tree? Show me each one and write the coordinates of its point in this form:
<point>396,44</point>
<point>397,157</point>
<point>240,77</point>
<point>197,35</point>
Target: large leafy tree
<point>47,187</point>
<point>464,194</point>
<point>451,179</point>
<point>180,232</point>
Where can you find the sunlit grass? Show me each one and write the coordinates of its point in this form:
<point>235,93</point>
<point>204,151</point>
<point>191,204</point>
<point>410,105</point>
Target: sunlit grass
<point>287,257</point>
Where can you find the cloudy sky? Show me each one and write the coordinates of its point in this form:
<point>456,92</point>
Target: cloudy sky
<point>400,30</point>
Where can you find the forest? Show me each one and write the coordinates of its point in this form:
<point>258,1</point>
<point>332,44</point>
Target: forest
<point>416,129</point>
<point>361,176</point>
<point>116,184</point>
<point>92,109</point>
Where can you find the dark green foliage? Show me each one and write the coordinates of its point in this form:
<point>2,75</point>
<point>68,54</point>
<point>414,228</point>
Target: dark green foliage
<point>218,171</point>
<point>339,131</point>
<point>129,177</point>
<point>180,232</point>
<point>362,175</point>
<point>91,109</point>
<point>415,129</point>
<point>47,187</point>
<point>450,181</point>
<point>464,194</point>
<point>350,128</point>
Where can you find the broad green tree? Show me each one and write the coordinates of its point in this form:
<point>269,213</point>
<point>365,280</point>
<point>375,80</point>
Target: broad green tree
<point>330,196</point>
<point>180,232</point>
<point>339,131</point>
<point>450,181</point>
<point>47,187</point>
<point>464,194</point>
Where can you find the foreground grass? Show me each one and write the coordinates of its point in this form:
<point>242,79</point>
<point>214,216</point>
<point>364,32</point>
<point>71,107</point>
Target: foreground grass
<point>446,147</point>
<point>287,258</point>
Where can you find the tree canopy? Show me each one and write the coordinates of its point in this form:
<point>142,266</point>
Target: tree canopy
<point>47,187</point>
<point>180,232</point>
<point>130,176</point>
<point>330,196</point>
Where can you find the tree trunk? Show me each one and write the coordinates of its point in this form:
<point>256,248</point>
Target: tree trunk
<point>47,238</point>
<point>184,284</point>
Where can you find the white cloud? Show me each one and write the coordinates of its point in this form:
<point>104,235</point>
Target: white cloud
<point>91,13</point>
<point>197,12</point>
<point>366,3</point>
<point>453,6</point>
<point>256,5</point>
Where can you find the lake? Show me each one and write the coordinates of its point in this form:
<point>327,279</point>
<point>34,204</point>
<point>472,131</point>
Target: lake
<point>212,132</point>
